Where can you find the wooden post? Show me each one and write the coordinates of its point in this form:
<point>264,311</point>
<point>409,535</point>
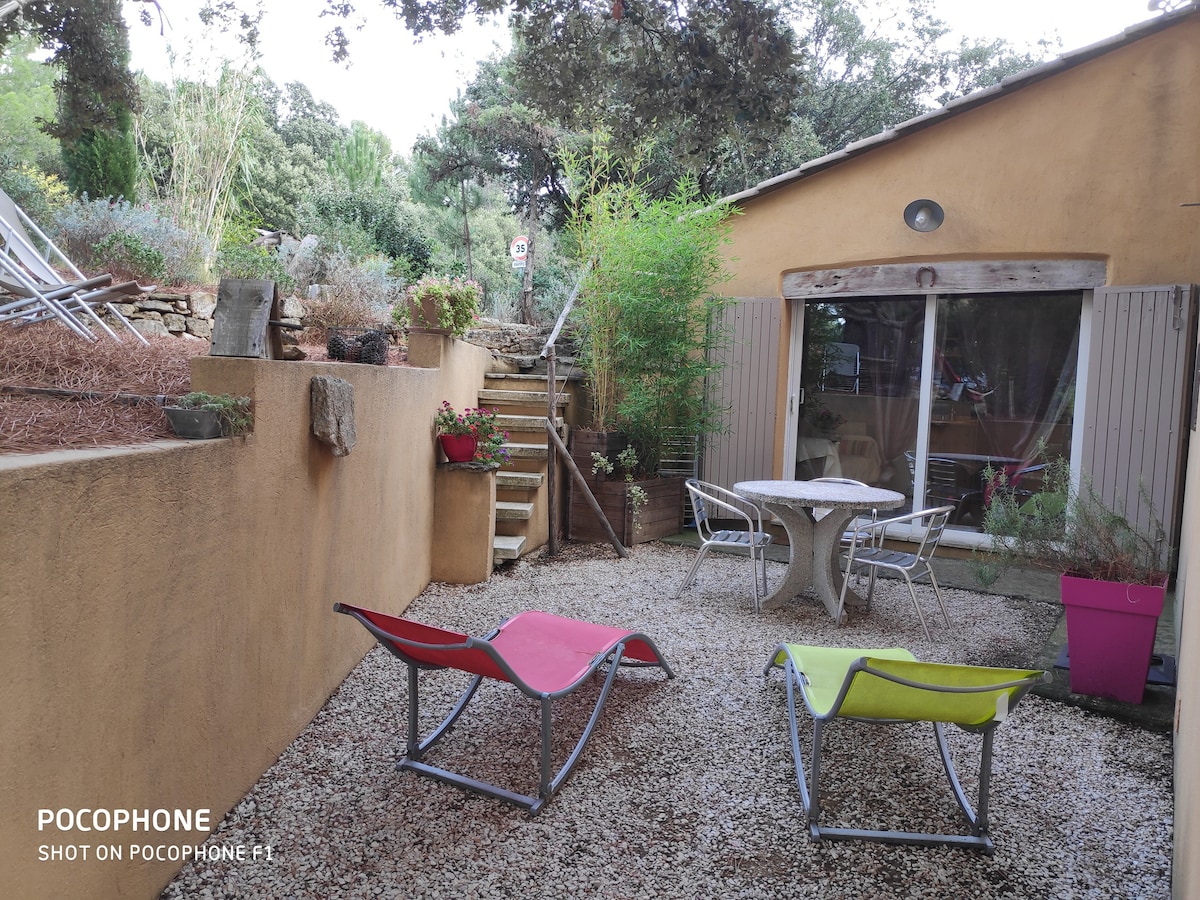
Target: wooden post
<point>244,307</point>
<point>587,492</point>
<point>551,451</point>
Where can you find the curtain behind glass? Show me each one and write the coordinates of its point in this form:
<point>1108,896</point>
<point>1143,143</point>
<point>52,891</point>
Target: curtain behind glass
<point>1013,359</point>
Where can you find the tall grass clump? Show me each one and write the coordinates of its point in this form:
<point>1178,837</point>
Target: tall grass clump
<point>648,313</point>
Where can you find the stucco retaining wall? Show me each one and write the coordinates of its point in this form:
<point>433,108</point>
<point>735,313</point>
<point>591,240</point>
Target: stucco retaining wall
<point>165,611</point>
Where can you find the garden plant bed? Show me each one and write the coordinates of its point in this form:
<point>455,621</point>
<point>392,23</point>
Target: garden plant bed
<point>108,377</point>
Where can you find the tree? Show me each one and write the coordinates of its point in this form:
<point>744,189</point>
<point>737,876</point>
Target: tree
<point>872,66</point>
<point>494,135</point>
<point>453,158</point>
<point>97,93</point>
<point>302,119</point>
<point>358,160</point>
<point>27,96</point>
<point>209,150</point>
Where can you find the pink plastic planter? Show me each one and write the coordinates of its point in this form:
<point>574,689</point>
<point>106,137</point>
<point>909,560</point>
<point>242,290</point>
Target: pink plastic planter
<point>1110,635</point>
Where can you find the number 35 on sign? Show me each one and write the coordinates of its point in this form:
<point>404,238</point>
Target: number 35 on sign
<point>519,251</point>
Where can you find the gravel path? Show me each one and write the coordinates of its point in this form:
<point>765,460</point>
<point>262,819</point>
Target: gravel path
<point>687,789</point>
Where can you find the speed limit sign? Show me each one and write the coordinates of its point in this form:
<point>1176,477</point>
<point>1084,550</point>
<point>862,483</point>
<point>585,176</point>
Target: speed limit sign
<point>519,248</point>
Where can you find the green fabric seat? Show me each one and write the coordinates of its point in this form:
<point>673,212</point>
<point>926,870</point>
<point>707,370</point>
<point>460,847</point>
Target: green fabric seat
<point>890,686</point>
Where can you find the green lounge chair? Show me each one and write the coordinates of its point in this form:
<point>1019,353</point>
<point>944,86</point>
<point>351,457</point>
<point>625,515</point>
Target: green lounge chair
<point>888,687</point>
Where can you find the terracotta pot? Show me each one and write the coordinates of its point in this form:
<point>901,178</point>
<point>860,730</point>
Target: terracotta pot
<point>423,317</point>
<point>458,447</point>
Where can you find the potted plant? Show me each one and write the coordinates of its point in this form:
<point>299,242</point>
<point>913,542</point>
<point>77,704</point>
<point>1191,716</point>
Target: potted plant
<point>441,305</point>
<point>1114,573</point>
<point>470,436</point>
<point>638,508</point>
<point>201,415</point>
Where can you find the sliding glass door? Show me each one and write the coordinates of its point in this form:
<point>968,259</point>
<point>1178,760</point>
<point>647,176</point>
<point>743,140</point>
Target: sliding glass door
<point>922,394</point>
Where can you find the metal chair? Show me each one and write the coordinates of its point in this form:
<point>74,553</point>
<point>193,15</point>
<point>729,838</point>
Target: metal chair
<point>888,687</point>
<point>848,534</point>
<point>710,501</point>
<point>843,366</point>
<point>949,481</point>
<point>868,550</point>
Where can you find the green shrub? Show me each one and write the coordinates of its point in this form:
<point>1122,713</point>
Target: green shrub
<point>246,261</point>
<point>127,257</point>
<point>648,312</point>
<point>365,222</point>
<point>81,225</point>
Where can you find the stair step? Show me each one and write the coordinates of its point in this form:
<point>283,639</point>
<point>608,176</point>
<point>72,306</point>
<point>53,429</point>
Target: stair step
<point>511,511</point>
<point>519,481</point>
<point>523,397</point>
<point>527,451</point>
<point>507,547</point>
<point>527,423</point>
<point>527,377</point>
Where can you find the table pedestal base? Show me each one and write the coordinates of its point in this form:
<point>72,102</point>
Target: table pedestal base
<point>816,551</point>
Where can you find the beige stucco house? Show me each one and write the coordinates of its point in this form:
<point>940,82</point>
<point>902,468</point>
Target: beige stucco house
<point>1016,270</point>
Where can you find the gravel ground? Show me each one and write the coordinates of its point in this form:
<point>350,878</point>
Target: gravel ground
<point>686,789</point>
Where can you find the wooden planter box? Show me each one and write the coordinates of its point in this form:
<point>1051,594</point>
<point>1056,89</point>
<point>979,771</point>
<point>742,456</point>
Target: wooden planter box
<point>660,516</point>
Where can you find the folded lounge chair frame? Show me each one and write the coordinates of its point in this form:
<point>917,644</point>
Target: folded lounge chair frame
<point>41,290</point>
<point>542,655</point>
<point>887,687</point>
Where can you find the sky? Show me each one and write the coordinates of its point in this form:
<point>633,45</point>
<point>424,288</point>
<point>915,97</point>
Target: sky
<point>403,89</point>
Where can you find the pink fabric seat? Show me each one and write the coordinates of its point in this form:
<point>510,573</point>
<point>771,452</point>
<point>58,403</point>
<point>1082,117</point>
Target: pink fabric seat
<point>545,656</point>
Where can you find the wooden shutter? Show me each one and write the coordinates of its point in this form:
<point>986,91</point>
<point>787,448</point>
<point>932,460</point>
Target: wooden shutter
<point>1138,393</point>
<point>746,388</point>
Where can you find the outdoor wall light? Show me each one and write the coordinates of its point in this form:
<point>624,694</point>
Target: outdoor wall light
<point>923,215</point>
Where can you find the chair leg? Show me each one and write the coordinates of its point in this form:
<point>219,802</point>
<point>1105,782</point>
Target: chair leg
<point>917,606</point>
<point>937,592</point>
<point>415,747</point>
<point>549,786</point>
<point>692,571</point>
<point>977,818</point>
<point>809,800</point>
<point>758,561</point>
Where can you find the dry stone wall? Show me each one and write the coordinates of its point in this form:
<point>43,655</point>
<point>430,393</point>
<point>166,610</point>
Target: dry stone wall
<point>189,315</point>
<point>186,315</point>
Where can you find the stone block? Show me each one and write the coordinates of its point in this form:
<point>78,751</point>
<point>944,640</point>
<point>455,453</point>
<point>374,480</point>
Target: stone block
<point>203,304</point>
<point>150,328</point>
<point>293,308</point>
<point>331,403</point>
<point>199,327</point>
<point>151,305</point>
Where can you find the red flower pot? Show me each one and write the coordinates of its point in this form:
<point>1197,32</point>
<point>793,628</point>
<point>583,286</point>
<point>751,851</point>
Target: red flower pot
<point>458,447</point>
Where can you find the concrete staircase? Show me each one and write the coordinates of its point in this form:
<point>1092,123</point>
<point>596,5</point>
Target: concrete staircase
<point>522,513</point>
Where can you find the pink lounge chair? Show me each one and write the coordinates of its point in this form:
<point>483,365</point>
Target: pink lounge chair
<point>542,655</point>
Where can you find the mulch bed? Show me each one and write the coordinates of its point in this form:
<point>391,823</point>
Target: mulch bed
<point>108,378</point>
<point>105,373</point>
